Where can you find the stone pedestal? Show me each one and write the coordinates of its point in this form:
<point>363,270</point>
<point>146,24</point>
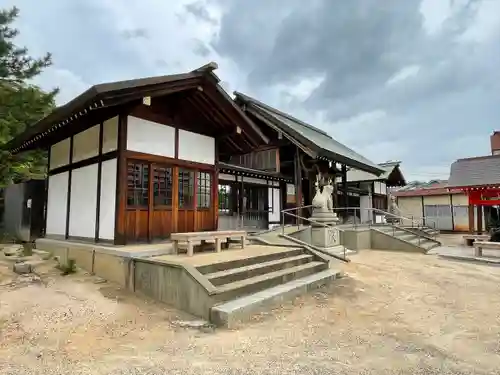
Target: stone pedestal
<point>321,235</point>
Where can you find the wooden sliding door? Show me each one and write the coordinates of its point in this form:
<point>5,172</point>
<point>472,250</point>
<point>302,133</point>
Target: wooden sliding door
<point>186,190</point>
<point>160,213</point>
<point>165,198</point>
<point>137,211</point>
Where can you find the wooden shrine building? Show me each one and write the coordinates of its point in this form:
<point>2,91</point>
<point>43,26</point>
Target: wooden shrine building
<point>479,179</point>
<point>295,153</point>
<point>136,160</point>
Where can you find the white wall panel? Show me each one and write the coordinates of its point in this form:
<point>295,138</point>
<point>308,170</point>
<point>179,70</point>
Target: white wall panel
<point>56,204</point>
<point>196,147</point>
<point>365,204</point>
<point>110,135</point>
<point>86,144</point>
<point>152,138</point>
<point>83,201</point>
<point>275,204</point>
<point>108,197</point>
<point>59,154</point>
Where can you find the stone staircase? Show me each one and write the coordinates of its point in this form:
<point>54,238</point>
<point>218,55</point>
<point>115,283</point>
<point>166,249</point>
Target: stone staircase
<point>420,241</point>
<point>424,230</point>
<point>247,286</point>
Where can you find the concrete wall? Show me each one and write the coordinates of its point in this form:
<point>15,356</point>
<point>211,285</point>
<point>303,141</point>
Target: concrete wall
<point>356,239</point>
<point>103,262</point>
<point>382,241</point>
<point>174,285</point>
<point>410,207</point>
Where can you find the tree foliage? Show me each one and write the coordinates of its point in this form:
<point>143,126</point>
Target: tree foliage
<point>22,104</point>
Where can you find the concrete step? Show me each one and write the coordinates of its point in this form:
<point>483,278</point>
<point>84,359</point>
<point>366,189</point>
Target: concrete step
<point>237,263</point>
<point>406,236</point>
<point>230,313</point>
<point>245,272</point>
<point>254,284</point>
<point>428,245</point>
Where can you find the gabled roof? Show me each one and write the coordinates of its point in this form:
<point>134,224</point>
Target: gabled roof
<point>314,141</point>
<point>478,171</point>
<point>390,168</point>
<point>107,95</point>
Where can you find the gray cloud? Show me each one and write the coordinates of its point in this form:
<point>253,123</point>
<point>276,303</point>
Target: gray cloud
<point>373,73</point>
<point>201,49</point>
<point>135,33</point>
<point>358,46</point>
<point>198,10</point>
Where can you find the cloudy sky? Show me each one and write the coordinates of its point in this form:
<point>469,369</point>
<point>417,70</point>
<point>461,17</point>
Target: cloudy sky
<point>412,80</point>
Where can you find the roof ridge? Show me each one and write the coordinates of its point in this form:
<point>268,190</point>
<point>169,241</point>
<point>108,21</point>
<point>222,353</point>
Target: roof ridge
<point>277,111</point>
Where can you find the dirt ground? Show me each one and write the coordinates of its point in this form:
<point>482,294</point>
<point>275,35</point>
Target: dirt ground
<point>394,313</point>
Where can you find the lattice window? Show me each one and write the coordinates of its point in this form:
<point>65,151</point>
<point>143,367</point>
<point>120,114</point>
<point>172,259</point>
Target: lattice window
<point>137,184</point>
<point>225,206</point>
<point>204,189</point>
<point>186,188</point>
<point>162,185</point>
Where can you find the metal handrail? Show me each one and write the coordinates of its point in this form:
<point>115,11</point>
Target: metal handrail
<point>283,213</point>
<point>414,223</point>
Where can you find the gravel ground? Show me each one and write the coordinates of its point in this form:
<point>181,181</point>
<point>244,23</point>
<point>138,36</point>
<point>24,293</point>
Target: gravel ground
<point>395,313</point>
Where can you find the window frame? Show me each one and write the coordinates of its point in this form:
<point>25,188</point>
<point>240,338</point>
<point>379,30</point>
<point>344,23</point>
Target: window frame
<point>207,192</point>
<point>144,184</point>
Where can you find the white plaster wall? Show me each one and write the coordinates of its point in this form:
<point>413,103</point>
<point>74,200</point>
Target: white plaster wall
<point>383,188</point>
<point>83,201</point>
<point>196,147</point>
<point>86,144</point>
<point>365,203</point>
<point>56,204</point>
<point>110,135</point>
<point>108,197</point>
<point>376,187</point>
<point>274,194</point>
<point>59,154</point>
<point>153,138</point>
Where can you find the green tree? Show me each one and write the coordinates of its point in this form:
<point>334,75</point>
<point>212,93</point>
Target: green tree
<point>22,104</point>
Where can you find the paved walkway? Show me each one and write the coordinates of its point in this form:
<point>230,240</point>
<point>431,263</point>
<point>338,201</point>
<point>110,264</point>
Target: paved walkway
<point>453,248</point>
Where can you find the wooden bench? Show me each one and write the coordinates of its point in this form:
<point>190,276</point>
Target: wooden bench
<point>480,245</point>
<point>192,239</point>
<point>470,238</point>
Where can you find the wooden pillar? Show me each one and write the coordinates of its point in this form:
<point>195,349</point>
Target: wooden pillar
<point>471,218</point>
<point>215,188</point>
<point>298,182</point>
<point>345,198</point>
<point>46,197</point>
<point>480,219</point>
<point>121,181</point>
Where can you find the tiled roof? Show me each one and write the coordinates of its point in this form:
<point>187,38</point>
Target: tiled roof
<point>324,144</point>
<point>472,172</point>
<point>356,175</point>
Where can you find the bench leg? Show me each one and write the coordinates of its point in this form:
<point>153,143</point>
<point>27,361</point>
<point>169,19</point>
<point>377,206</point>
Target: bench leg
<point>190,249</point>
<point>218,245</point>
<point>478,251</point>
<point>175,248</point>
<point>243,239</point>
